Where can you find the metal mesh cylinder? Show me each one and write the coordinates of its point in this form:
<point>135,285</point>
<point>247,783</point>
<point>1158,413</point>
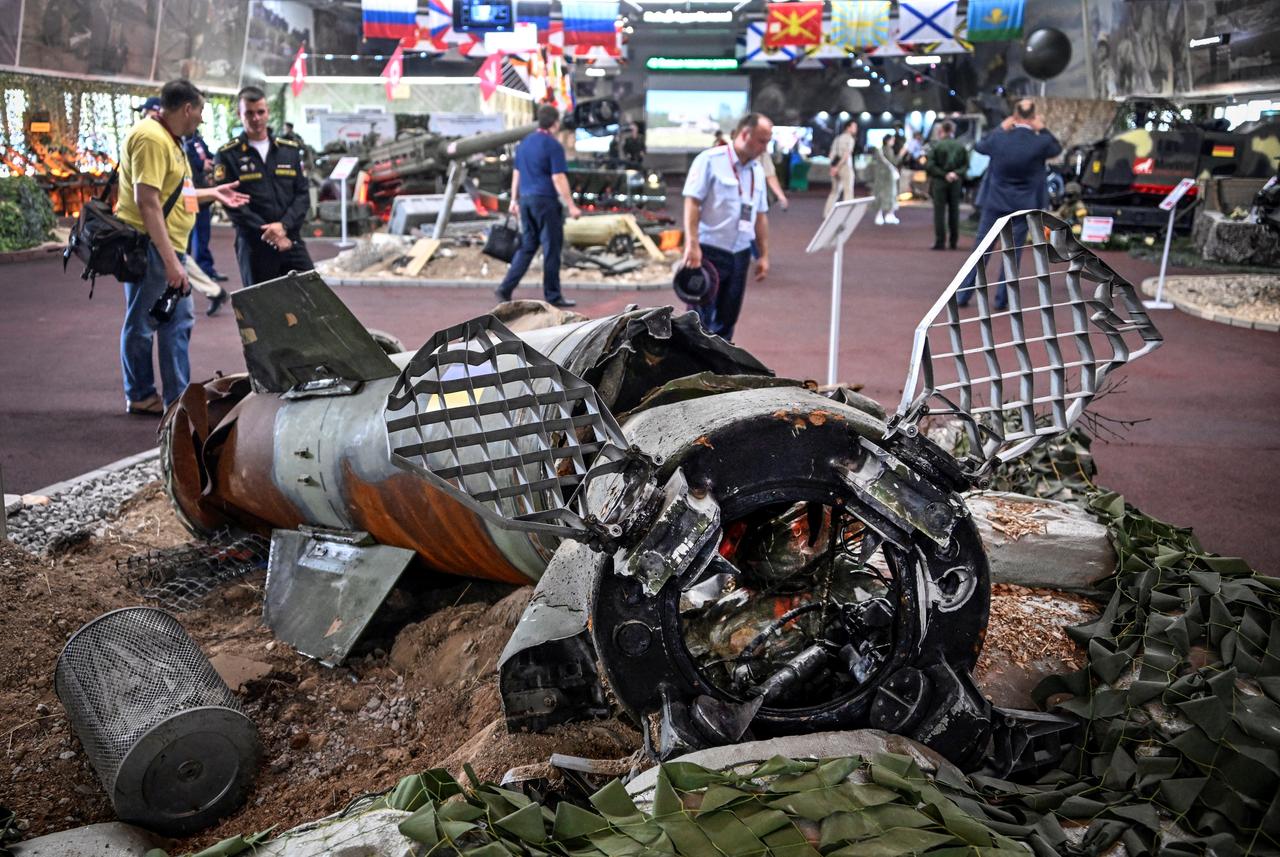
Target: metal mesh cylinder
<point>162,730</point>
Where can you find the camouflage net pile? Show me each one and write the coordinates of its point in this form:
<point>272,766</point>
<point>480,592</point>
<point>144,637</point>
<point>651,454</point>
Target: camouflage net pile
<point>1180,754</point>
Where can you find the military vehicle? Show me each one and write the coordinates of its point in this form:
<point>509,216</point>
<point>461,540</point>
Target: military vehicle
<point>1149,148</point>
<point>733,555</point>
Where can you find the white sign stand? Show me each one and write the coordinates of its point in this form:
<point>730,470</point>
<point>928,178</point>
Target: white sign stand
<point>831,235</point>
<point>340,173</point>
<point>1169,204</point>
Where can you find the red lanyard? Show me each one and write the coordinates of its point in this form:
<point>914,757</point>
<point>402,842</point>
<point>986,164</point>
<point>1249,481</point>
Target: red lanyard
<point>733,165</point>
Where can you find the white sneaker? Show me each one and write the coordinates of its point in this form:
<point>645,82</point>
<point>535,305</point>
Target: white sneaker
<point>879,218</point>
<point>891,218</point>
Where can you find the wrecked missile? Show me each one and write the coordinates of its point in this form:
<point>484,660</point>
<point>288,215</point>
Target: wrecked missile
<point>727,558</point>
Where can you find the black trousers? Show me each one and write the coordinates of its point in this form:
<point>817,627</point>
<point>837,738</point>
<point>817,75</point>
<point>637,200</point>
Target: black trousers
<point>259,261</point>
<point>946,210</point>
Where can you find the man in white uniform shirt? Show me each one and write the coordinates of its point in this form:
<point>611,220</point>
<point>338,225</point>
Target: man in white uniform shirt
<point>725,207</point>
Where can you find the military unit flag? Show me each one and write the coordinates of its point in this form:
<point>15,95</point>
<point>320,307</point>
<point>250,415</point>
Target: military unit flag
<point>857,24</point>
<point>926,21</point>
<point>995,20</point>
<point>789,24</point>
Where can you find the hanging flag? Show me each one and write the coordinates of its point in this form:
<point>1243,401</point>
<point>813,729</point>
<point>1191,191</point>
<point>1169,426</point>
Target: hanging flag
<point>555,39</point>
<point>442,34</point>
<point>394,72</point>
<point>754,51</point>
<point>926,20</point>
<point>859,24</point>
<point>995,20</point>
<point>538,13</point>
<point>590,22</point>
<point>490,75</point>
<point>298,71</point>
<point>388,19</point>
<point>793,24</point>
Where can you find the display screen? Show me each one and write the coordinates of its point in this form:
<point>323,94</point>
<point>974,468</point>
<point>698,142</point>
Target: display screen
<point>586,142</point>
<point>875,136</point>
<point>687,119</point>
<point>789,138</point>
<point>479,16</point>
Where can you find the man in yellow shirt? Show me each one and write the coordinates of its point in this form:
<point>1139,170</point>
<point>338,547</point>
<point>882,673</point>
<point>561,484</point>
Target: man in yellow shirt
<point>157,197</point>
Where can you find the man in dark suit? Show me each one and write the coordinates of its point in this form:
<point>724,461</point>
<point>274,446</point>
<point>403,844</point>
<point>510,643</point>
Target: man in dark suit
<point>1015,178</point>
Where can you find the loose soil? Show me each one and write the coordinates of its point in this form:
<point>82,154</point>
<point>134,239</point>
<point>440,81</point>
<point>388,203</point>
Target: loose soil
<point>420,693</point>
<point>467,263</point>
<point>423,698</point>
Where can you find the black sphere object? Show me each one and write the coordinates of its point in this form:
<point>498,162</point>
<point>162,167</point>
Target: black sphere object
<point>1046,53</point>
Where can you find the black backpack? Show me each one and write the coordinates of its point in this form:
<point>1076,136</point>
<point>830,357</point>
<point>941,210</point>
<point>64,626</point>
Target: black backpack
<point>106,244</point>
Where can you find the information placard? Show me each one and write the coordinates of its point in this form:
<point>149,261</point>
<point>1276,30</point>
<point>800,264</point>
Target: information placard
<point>1176,194</point>
<point>1096,230</point>
<point>344,167</point>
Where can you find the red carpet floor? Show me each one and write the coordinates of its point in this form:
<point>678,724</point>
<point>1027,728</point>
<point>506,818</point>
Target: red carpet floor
<point>1206,456</point>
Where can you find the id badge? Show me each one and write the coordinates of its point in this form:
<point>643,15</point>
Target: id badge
<point>746,219</point>
<point>189,201</point>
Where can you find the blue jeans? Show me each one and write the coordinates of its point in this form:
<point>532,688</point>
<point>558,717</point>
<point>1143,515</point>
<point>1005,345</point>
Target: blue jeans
<point>541,223</point>
<point>139,328</point>
<point>198,243</point>
<point>721,317</point>
<point>988,219</point>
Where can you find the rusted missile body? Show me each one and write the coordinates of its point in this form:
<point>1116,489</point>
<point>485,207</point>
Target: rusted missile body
<point>261,460</point>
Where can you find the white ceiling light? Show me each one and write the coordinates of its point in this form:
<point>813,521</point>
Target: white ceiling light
<point>596,72</point>
<point>677,16</point>
<point>923,60</point>
<point>857,82</point>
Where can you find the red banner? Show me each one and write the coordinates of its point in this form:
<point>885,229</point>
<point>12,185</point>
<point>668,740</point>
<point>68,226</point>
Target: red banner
<point>789,24</point>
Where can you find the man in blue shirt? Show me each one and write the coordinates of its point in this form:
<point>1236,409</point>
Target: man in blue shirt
<point>725,205</point>
<point>538,185</point>
<point>1015,180</point>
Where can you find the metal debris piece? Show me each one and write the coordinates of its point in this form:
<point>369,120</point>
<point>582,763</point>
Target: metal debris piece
<point>323,588</point>
<point>163,732</point>
<point>178,579</point>
<point>1071,321</point>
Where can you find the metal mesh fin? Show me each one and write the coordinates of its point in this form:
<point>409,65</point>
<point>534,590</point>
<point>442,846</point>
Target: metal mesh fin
<point>1019,375</point>
<point>490,420</point>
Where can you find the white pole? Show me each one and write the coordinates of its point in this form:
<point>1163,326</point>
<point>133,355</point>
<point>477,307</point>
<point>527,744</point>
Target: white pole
<point>833,347</point>
<point>1160,302</point>
<point>342,185</point>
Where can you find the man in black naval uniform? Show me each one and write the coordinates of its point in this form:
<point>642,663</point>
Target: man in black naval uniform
<point>269,169</point>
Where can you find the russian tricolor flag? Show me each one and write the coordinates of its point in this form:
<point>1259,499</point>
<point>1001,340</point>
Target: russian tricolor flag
<point>590,22</point>
<point>389,19</point>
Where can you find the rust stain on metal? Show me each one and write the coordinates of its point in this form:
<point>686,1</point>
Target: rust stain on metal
<point>244,468</point>
<point>248,336</point>
<point>705,441</point>
<point>290,319</point>
<point>404,511</point>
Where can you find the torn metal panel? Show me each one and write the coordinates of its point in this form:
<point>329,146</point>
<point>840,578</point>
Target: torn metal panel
<point>1071,320</point>
<point>324,587</point>
<point>299,338</point>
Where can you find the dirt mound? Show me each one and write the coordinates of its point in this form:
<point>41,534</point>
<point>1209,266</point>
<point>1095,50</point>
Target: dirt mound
<point>428,698</point>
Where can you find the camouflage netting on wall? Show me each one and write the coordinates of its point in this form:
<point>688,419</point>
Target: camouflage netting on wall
<point>1180,754</point>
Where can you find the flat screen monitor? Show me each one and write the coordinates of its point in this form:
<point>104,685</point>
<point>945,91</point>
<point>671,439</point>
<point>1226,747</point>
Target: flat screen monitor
<point>789,138</point>
<point>875,136</point>
<point>684,113</point>
<point>586,142</point>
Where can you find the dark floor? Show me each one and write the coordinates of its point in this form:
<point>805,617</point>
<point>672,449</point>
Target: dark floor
<point>1207,456</point>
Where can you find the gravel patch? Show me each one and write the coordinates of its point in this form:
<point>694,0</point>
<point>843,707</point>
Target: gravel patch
<point>74,515</point>
<point>1251,299</point>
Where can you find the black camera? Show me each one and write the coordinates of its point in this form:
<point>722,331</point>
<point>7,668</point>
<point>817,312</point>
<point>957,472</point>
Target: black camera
<point>162,309</point>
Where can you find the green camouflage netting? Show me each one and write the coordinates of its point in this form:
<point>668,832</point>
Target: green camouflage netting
<point>1180,754</point>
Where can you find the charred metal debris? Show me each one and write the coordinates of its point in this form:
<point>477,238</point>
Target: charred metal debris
<point>722,553</point>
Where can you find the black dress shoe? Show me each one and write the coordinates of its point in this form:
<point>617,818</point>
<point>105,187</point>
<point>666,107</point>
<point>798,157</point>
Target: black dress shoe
<point>216,302</point>
<point>219,278</point>
<point>937,247</point>
<point>563,302</point>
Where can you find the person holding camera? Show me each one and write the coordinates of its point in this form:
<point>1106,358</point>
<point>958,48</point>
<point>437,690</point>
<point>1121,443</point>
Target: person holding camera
<point>159,198</point>
<point>538,185</point>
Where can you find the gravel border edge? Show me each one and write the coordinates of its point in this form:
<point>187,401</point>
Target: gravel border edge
<point>1149,289</point>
